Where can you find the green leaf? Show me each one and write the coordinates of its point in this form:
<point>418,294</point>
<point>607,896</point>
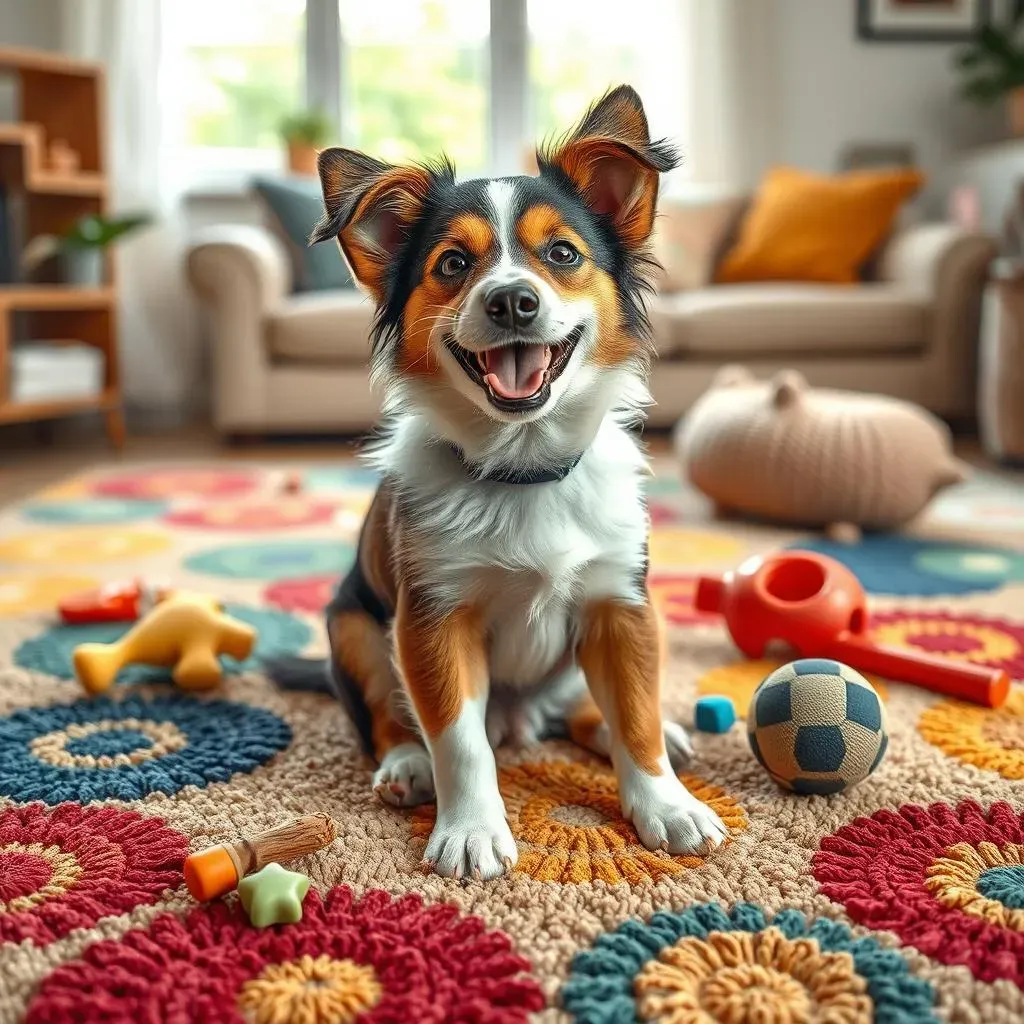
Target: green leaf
<point>308,127</point>
<point>98,231</point>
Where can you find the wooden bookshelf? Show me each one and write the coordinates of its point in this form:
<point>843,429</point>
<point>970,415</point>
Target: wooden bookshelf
<point>58,98</point>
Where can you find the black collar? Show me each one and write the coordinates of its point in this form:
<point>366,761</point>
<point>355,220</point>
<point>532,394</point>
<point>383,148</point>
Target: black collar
<point>512,475</point>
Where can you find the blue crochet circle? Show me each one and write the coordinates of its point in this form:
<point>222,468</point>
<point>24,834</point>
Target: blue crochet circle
<point>278,633</point>
<point>221,739</point>
<point>1004,885</point>
<point>94,511</point>
<point>340,478</point>
<point>905,566</point>
<point>109,744</point>
<point>274,560</point>
<point>599,989</point>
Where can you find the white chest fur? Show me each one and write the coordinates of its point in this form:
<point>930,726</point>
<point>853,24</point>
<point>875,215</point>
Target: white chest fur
<point>530,556</point>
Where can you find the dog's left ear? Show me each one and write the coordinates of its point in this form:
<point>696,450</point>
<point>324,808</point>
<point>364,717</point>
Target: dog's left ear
<point>613,163</point>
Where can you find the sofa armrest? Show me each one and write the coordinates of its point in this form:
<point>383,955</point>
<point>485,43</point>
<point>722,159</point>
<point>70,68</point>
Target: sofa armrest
<point>949,265</point>
<point>242,274</point>
<point>932,258</point>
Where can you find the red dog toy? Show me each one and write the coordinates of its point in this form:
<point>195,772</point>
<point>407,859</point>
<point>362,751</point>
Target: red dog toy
<point>816,605</point>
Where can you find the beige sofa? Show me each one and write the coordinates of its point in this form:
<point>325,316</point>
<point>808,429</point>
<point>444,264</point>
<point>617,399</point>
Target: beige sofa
<point>285,363</point>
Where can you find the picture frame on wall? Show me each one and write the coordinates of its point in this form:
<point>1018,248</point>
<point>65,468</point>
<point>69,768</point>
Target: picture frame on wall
<point>921,21</point>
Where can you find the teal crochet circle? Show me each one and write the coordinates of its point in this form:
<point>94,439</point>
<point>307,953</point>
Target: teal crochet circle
<point>332,479</point>
<point>94,511</point>
<point>277,634</point>
<point>985,567</point>
<point>274,560</point>
<point>600,987</point>
<point>109,744</point>
<point>1004,884</point>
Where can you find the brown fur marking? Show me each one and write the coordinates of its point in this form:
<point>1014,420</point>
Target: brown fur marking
<point>443,660</point>
<point>584,720</point>
<point>619,653</point>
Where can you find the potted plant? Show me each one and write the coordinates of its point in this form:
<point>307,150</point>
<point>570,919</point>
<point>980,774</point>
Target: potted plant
<point>305,133</point>
<point>80,249</point>
<point>993,67</point>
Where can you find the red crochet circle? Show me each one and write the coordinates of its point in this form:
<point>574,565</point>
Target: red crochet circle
<point>121,860</point>
<point>434,966</point>
<point>876,868</point>
<point>22,874</point>
<point>306,594</point>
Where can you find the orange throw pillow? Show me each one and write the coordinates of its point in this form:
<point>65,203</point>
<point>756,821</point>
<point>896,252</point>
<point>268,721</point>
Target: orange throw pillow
<point>810,227</point>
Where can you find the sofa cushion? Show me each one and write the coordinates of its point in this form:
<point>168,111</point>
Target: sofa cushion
<point>690,239</point>
<point>325,327</point>
<point>777,319</point>
<point>293,206</point>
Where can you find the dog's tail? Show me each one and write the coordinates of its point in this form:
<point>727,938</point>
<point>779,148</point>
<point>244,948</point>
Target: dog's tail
<point>290,673</point>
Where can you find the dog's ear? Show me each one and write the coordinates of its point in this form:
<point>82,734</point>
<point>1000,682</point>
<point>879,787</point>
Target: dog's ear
<point>610,159</point>
<point>369,207</point>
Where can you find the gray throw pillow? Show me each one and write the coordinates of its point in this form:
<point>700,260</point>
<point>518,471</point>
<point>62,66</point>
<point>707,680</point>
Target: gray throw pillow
<point>294,205</point>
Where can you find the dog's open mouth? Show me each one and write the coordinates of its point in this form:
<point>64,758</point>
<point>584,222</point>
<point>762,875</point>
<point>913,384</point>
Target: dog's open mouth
<point>517,377</point>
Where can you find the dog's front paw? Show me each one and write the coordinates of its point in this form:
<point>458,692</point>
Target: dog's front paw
<point>676,821</point>
<point>465,846</point>
<point>405,777</point>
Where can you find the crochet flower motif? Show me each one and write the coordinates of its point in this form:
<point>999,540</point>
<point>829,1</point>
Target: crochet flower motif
<point>68,867</point>
<point>947,880</point>
<point>568,822</point>
<point>376,960</point>
<point>991,739</point>
<point>709,964</point>
<point>102,749</point>
<point>997,643</point>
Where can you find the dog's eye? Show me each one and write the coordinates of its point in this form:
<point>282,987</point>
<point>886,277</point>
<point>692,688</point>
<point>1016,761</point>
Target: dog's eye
<point>452,264</point>
<point>563,254</point>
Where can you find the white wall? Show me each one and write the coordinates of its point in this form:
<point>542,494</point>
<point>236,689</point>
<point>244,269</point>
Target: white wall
<point>26,23</point>
<point>834,89</point>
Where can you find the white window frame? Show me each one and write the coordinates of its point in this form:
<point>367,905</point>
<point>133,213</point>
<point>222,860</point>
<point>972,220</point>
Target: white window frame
<point>508,128</point>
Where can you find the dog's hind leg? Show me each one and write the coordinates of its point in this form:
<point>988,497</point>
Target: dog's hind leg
<point>588,729</point>
<point>364,677</point>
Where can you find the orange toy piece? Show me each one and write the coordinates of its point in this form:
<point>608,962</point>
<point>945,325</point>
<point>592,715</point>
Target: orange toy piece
<point>817,606</point>
<point>214,872</point>
<point>185,632</point>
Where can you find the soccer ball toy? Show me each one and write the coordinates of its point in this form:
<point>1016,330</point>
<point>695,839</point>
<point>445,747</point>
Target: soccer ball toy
<point>817,726</point>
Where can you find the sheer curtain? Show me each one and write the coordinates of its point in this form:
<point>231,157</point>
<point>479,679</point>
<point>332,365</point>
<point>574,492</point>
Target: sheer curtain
<point>730,89</point>
<point>159,339</point>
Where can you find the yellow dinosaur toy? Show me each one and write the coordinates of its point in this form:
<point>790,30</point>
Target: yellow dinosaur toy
<point>185,632</point>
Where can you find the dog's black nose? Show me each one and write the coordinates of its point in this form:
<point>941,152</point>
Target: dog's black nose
<point>512,305</point>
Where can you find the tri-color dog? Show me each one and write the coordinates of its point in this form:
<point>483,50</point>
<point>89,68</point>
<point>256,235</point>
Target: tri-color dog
<point>500,588</point>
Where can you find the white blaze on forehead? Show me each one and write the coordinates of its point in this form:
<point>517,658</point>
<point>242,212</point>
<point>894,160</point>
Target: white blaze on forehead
<point>502,195</point>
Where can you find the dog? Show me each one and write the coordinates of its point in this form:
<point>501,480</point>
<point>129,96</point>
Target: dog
<point>499,594</point>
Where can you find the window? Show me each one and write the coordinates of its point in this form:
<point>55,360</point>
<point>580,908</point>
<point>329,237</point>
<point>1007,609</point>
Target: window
<point>409,79</point>
<point>414,79</point>
<point>241,69</point>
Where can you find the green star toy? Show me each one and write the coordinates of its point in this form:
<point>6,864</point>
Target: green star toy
<point>273,895</point>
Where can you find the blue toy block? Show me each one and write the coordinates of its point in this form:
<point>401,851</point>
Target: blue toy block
<point>715,714</point>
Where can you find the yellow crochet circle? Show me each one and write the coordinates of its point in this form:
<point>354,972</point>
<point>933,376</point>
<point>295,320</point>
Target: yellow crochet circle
<point>69,490</point>
<point>51,747</point>
<point>993,644</point>
<point>988,738</point>
<point>26,595</point>
<point>739,679</point>
<point>760,976</point>
<point>82,545</point>
<point>314,991</point>
<point>953,880</point>
<point>672,547</point>
<point>568,822</point>
<point>65,871</point>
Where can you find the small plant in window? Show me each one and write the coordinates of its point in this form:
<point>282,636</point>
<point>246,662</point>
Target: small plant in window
<point>993,67</point>
<point>304,133</point>
<point>80,249</point>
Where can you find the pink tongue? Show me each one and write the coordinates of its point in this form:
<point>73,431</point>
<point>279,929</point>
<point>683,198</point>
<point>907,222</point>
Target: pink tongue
<point>516,371</point>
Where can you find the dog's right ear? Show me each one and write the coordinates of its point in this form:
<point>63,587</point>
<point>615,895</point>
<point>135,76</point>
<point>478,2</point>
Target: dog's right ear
<point>369,207</point>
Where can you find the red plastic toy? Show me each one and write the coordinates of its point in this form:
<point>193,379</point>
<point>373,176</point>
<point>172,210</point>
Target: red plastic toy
<point>817,606</point>
<point>115,602</point>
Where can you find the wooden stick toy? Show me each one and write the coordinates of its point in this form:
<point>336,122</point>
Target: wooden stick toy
<point>214,872</point>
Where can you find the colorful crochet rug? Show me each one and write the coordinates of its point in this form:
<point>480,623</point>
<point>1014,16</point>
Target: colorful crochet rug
<point>899,900</point>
